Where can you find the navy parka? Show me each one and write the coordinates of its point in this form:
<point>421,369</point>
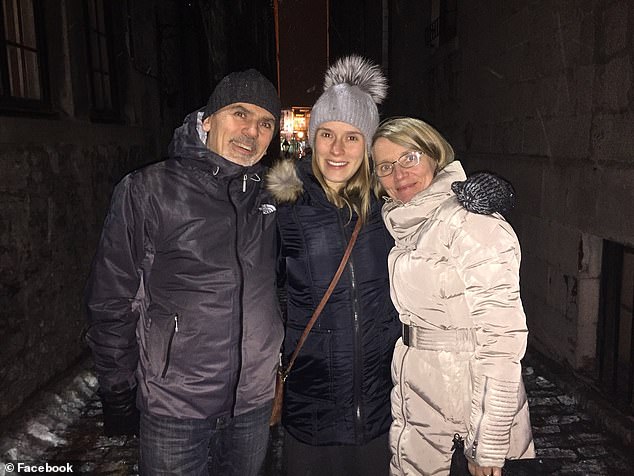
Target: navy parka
<point>338,391</point>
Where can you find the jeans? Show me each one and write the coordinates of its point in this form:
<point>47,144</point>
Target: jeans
<point>222,446</point>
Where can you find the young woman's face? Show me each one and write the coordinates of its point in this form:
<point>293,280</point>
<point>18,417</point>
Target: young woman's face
<point>339,152</point>
<point>403,183</point>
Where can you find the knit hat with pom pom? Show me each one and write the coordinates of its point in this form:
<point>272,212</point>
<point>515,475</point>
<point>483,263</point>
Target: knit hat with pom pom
<point>353,87</point>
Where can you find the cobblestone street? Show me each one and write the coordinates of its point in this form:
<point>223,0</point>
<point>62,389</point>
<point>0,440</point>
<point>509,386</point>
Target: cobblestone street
<point>565,434</point>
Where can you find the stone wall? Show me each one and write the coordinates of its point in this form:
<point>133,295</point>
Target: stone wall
<point>58,167</point>
<point>52,200</point>
<point>541,92</point>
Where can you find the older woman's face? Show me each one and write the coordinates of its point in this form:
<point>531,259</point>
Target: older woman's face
<point>403,183</point>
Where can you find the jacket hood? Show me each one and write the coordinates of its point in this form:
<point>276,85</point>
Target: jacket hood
<point>283,182</point>
<point>189,139</point>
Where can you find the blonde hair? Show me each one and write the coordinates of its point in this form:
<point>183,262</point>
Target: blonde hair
<point>356,193</point>
<point>417,135</point>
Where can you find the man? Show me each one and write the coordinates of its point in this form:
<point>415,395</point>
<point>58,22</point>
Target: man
<point>181,300</point>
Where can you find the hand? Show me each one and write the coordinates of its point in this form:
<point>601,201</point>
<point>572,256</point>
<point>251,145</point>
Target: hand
<point>476,470</point>
<point>485,193</point>
<point>120,414</point>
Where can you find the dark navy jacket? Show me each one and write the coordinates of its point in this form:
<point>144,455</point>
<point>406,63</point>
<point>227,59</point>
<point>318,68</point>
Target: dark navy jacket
<point>338,391</point>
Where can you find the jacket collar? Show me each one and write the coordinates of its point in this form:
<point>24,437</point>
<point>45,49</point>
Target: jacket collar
<point>404,219</point>
<point>292,182</point>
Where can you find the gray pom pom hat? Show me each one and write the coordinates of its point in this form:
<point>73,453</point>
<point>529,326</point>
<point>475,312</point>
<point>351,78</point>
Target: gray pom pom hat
<point>353,87</point>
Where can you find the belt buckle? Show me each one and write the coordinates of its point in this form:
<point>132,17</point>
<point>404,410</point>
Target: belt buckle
<point>405,334</point>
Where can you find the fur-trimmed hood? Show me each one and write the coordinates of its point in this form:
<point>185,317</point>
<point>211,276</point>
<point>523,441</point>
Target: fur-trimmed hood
<point>283,182</point>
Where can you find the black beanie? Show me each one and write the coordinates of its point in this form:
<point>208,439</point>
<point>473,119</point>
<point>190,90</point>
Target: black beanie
<point>248,86</point>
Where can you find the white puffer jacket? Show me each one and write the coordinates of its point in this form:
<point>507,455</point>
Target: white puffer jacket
<point>455,281</point>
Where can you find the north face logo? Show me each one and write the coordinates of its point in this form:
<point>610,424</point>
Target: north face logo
<point>267,208</point>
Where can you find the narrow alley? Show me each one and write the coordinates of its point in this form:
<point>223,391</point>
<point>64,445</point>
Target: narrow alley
<point>64,427</point>
<point>538,93</point>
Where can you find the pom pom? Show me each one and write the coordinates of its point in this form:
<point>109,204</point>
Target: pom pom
<point>357,71</point>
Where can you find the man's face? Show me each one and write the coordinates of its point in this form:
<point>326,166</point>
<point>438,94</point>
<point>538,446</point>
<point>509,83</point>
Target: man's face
<point>240,132</point>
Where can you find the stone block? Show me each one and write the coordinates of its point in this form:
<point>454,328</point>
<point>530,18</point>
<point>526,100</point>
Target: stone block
<point>552,96</point>
<point>533,241</point>
<point>588,438</point>
<point>533,277</point>
<point>615,26</point>
<point>612,138</point>
<point>614,196</point>
<point>591,254</point>
<point>587,467</point>
<point>588,305</point>
<point>567,137</point>
<point>526,177</point>
<point>557,181</point>
<point>546,430</point>
<point>563,245</point>
<point>535,138</point>
<point>572,191</point>
<point>543,382</point>
<point>15,169</point>
<point>561,294</point>
<point>481,138</point>
<point>610,95</point>
<point>562,419</point>
<point>592,451</point>
<point>581,87</point>
<point>558,453</point>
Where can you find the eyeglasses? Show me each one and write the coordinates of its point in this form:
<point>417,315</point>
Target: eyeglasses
<point>407,160</point>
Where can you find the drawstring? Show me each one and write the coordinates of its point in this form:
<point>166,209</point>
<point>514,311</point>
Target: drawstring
<point>255,177</point>
<point>245,177</point>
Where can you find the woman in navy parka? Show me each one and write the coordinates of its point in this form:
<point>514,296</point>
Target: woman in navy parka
<point>337,397</point>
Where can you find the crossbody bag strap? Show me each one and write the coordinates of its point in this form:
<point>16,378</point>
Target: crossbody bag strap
<point>324,299</point>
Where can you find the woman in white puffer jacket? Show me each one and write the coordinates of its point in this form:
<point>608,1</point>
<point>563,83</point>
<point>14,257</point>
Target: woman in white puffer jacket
<point>455,282</point>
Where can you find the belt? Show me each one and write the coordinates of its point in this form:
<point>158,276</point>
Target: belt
<point>455,340</point>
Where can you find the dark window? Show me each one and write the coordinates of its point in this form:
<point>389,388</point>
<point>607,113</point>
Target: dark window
<point>23,83</point>
<point>99,47</point>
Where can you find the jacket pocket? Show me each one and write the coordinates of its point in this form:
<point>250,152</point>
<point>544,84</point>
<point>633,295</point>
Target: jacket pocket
<point>168,350</point>
<point>312,374</point>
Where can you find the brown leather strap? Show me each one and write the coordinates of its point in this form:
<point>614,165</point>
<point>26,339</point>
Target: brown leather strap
<point>324,299</point>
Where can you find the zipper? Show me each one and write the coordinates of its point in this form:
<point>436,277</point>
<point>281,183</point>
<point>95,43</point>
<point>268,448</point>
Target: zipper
<point>240,291</point>
<point>474,447</point>
<point>357,350</point>
<point>169,346</point>
<point>356,333</point>
<point>401,383</point>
